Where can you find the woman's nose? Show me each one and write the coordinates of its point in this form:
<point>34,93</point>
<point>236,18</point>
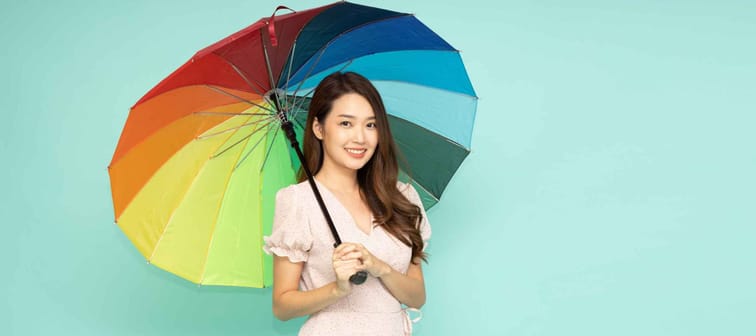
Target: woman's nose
<point>359,135</point>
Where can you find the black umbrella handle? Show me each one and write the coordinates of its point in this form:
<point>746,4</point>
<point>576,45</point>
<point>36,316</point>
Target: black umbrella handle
<point>359,277</point>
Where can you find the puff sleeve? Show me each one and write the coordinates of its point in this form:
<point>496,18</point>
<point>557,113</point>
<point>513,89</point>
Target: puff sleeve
<point>291,236</point>
<point>414,197</point>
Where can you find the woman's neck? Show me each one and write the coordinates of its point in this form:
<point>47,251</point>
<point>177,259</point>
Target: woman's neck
<point>338,180</point>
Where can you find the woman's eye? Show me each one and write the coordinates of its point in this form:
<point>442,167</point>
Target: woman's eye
<point>372,125</point>
<point>345,123</point>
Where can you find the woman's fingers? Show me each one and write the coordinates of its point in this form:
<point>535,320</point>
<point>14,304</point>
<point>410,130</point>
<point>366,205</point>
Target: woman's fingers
<point>349,258</point>
<point>346,248</point>
<point>345,268</point>
<point>340,263</point>
<point>351,255</point>
<point>349,247</point>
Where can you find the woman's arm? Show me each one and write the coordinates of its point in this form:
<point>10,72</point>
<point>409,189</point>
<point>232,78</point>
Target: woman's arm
<point>289,302</point>
<point>408,289</point>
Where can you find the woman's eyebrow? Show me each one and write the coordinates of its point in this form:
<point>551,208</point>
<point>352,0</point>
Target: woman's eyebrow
<point>353,117</point>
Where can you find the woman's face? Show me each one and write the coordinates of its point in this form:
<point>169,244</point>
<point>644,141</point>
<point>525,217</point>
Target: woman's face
<point>348,133</point>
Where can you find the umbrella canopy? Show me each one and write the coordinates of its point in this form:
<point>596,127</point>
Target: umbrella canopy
<point>201,157</point>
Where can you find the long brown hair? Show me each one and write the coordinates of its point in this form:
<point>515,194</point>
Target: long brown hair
<point>378,178</point>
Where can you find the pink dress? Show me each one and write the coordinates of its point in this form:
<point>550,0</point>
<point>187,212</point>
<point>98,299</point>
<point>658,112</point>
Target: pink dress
<point>301,233</point>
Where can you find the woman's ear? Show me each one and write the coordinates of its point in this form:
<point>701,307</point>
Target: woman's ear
<point>317,129</point>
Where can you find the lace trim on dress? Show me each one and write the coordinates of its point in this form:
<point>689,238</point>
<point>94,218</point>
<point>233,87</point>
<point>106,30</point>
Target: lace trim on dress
<point>292,251</point>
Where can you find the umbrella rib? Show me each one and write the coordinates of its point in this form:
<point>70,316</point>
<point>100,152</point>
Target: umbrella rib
<point>299,123</point>
<point>296,105</point>
<point>267,152</point>
<point>231,113</point>
<point>291,63</point>
<point>202,137</point>
<point>253,146</point>
<point>259,90</point>
<point>312,67</point>
<point>241,99</point>
<point>242,139</point>
<point>274,91</point>
<point>346,64</point>
<point>288,73</point>
<point>293,115</point>
<point>426,190</point>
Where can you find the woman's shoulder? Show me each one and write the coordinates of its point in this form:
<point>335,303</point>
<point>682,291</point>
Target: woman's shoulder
<point>403,186</point>
<point>291,191</point>
<point>408,190</point>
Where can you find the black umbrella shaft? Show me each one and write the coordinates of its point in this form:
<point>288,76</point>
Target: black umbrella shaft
<point>287,126</point>
<point>288,129</point>
<point>356,278</point>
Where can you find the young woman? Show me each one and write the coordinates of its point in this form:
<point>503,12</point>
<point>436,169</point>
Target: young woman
<point>349,148</point>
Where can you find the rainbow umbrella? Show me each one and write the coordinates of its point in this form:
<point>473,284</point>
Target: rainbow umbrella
<point>202,154</point>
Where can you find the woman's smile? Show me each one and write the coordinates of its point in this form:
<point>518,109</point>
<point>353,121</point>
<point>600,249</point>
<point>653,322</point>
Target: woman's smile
<point>357,153</point>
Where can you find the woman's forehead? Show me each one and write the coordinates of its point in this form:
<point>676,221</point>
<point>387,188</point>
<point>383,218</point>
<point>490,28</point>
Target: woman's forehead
<point>352,105</point>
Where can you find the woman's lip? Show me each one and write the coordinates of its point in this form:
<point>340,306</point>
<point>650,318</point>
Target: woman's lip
<point>356,155</point>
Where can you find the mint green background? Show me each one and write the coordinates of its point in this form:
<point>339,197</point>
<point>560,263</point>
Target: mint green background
<point>610,190</point>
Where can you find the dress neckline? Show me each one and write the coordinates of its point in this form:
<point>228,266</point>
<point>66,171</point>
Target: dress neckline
<point>336,200</point>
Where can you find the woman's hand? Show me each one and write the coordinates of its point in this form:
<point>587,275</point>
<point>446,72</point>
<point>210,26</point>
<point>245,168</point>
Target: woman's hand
<point>345,265</point>
<point>354,251</point>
